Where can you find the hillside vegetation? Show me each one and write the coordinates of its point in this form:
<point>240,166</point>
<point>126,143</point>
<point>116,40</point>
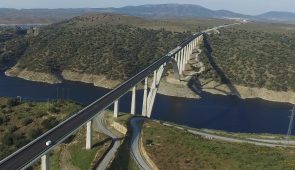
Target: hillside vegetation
<point>22,122</point>
<point>254,58</point>
<point>119,46</point>
<point>97,44</point>
<point>12,46</point>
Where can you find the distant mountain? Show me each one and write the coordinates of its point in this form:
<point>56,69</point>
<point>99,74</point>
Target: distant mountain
<point>277,16</point>
<point>14,16</point>
<point>160,11</point>
<point>25,16</point>
<point>175,11</point>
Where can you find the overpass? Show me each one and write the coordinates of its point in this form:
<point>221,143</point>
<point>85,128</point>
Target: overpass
<point>30,153</point>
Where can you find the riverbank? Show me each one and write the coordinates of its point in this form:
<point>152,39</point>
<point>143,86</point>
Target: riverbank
<point>250,92</point>
<point>171,87</point>
<point>168,86</point>
<point>32,76</point>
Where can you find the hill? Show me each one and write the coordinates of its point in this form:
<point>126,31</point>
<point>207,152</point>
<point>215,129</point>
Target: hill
<point>176,11</point>
<point>25,16</point>
<point>159,11</point>
<point>118,46</point>
<point>100,44</point>
<point>254,56</point>
<point>277,16</point>
<point>164,11</point>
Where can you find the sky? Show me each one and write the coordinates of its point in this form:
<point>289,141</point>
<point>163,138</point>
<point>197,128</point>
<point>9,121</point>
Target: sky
<point>241,6</point>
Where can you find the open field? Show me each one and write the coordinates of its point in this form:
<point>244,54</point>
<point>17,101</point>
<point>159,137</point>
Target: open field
<point>172,148</point>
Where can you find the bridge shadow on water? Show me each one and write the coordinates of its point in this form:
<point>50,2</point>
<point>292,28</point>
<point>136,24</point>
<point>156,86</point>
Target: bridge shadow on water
<point>196,86</point>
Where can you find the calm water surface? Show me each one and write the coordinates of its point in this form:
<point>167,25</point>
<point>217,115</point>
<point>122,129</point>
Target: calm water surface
<point>211,111</point>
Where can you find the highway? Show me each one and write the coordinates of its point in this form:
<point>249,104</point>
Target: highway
<point>135,148</point>
<point>35,149</point>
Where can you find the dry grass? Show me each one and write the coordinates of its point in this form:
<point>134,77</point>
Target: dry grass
<point>172,148</point>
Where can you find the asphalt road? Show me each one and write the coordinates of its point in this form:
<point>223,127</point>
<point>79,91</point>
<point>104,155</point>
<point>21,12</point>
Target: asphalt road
<point>100,125</point>
<point>134,149</point>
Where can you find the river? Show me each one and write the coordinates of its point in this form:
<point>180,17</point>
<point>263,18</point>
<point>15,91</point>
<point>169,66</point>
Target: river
<point>212,111</point>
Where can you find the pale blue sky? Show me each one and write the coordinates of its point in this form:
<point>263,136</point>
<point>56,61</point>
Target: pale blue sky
<point>242,6</point>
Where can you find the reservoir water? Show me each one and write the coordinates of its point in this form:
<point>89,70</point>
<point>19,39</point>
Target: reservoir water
<point>219,112</point>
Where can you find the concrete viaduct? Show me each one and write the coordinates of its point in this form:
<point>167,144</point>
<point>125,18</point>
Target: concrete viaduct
<point>178,57</point>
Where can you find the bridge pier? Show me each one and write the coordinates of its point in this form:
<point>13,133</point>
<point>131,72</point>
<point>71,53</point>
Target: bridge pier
<point>154,79</point>
<point>45,163</point>
<point>188,53</point>
<point>177,59</point>
<point>181,61</point>
<point>153,92</point>
<point>144,103</point>
<point>89,135</point>
<point>133,101</point>
<point>116,108</point>
<point>183,56</point>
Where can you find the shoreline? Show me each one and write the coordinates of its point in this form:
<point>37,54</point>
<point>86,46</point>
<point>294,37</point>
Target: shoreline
<point>168,86</point>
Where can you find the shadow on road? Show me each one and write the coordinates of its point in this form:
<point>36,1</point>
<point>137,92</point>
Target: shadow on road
<point>101,142</point>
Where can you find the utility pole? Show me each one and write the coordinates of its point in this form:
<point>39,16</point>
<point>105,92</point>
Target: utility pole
<point>290,125</point>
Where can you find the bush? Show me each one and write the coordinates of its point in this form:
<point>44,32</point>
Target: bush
<point>40,114</point>
<point>26,121</point>
<point>53,109</point>
<point>33,133</point>
<point>11,102</point>
<point>19,140</point>
<point>7,139</point>
<point>49,123</point>
<point>11,128</point>
<point>5,118</point>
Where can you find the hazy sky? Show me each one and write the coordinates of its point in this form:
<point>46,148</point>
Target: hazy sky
<point>242,6</point>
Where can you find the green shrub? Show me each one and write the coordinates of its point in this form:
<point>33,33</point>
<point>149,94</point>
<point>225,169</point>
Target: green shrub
<point>11,102</point>
<point>49,123</point>
<point>34,132</point>
<point>25,121</point>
